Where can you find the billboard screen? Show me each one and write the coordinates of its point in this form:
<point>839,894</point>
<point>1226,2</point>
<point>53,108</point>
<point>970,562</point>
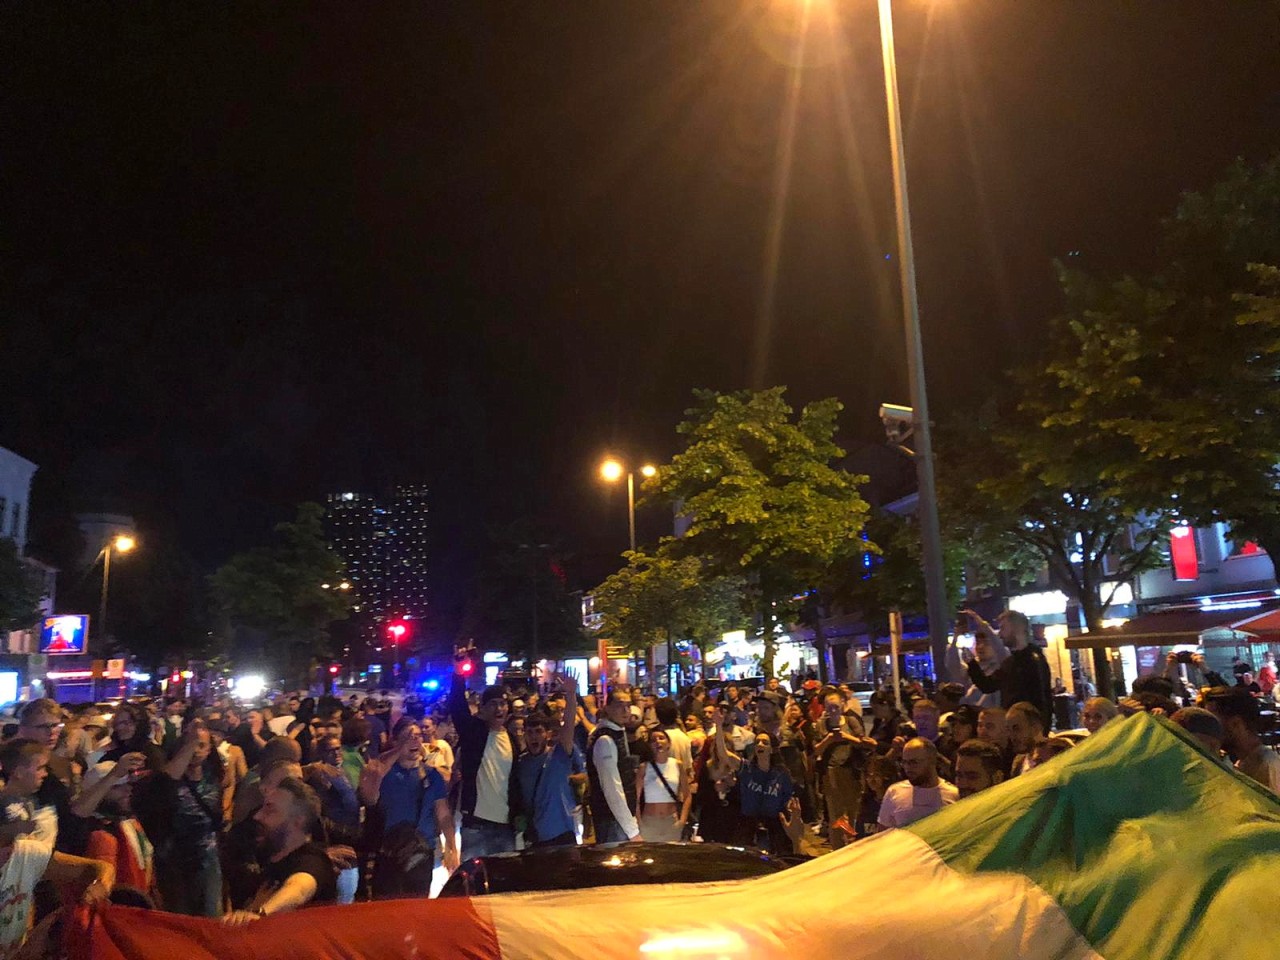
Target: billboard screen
<point>65,634</point>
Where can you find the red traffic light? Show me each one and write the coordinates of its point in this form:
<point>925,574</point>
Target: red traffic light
<point>397,630</point>
<point>334,668</point>
<point>177,677</point>
<point>467,666</point>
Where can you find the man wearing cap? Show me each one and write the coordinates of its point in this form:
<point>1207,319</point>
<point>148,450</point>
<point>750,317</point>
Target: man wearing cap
<point>485,759</point>
<point>1241,718</point>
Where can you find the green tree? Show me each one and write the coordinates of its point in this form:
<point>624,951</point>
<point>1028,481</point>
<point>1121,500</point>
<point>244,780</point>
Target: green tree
<point>287,591</point>
<point>764,498</point>
<point>1175,376</point>
<point>520,601</point>
<point>661,598</point>
<point>21,590</point>
<point>1026,486</point>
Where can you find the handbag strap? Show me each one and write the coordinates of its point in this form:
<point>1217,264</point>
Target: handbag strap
<point>214,821</point>
<point>661,776</point>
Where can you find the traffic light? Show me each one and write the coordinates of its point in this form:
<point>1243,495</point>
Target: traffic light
<point>467,666</point>
<point>334,668</point>
<point>397,630</point>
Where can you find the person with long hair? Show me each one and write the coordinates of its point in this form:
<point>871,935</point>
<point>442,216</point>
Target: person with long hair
<point>663,788</point>
<point>766,790</point>
<point>185,824</point>
<point>131,733</point>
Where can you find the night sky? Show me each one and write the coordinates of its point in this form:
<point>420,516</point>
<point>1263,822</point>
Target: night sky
<point>253,253</point>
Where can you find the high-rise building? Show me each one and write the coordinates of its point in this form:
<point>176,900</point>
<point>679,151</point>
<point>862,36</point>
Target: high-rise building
<point>384,543</point>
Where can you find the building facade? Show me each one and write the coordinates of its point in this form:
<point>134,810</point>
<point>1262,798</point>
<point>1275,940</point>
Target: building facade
<point>15,496</point>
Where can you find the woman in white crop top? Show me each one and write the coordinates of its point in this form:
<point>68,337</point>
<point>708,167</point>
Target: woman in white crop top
<point>663,786</point>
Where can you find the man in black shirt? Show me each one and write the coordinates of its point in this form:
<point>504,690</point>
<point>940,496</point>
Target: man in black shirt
<point>1022,674</point>
<point>296,871</point>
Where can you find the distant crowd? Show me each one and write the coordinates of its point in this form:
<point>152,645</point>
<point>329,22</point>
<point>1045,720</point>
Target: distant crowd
<point>238,811</point>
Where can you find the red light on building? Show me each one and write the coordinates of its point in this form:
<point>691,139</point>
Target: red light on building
<point>1183,553</point>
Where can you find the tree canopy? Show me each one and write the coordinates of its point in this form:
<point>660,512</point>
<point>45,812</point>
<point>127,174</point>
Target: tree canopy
<point>1172,378</point>
<point>764,498</point>
<point>287,591</point>
<point>20,590</point>
<point>660,598</point>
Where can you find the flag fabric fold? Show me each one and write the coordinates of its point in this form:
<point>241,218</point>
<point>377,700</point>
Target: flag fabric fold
<point>1133,845</point>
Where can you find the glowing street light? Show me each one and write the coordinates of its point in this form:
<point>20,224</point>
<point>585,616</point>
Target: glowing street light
<point>121,543</point>
<point>612,470</point>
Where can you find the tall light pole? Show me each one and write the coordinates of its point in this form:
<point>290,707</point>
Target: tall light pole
<point>611,471</point>
<point>930,529</point>
<point>121,544</point>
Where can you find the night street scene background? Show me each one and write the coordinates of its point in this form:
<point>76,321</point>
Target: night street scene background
<point>437,432</point>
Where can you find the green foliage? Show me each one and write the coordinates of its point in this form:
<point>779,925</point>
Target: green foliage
<point>520,600</point>
<point>280,590</point>
<point>662,598</point>
<point>159,604</point>
<point>20,590</point>
<point>1173,379</point>
<point>895,579</point>
<point>764,497</point>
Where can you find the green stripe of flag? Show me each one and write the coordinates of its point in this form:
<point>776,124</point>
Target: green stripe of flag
<point>1152,849</point>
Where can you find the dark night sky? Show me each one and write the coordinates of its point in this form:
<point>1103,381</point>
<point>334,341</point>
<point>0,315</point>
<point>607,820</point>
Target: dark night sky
<point>252,253</point>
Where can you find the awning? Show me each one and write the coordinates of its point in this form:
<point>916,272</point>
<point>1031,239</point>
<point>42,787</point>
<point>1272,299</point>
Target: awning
<point>1215,628</point>
<point>1265,625</point>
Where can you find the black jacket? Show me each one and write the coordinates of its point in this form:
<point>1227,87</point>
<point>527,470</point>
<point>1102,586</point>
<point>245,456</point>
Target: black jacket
<point>473,737</point>
<point>1022,678</point>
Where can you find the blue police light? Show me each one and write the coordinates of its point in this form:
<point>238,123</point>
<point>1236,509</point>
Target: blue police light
<point>430,684</point>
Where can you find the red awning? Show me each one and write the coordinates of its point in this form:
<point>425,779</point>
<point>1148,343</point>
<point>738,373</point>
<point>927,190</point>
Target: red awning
<point>1265,625</point>
<point>1168,627</point>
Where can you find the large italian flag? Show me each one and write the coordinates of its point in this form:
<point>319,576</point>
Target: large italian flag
<point>1132,846</point>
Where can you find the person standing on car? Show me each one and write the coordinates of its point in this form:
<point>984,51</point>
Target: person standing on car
<point>611,773</point>
<point>485,760</point>
<point>546,796</point>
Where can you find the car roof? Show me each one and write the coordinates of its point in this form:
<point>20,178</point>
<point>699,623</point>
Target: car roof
<point>601,865</point>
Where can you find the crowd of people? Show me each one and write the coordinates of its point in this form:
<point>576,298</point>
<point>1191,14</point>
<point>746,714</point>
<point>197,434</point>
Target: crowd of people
<point>222,809</point>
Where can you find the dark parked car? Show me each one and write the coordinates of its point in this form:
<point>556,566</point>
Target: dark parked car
<point>608,865</point>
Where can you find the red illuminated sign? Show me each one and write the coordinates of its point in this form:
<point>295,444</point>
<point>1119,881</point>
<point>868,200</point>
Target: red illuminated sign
<point>1183,553</point>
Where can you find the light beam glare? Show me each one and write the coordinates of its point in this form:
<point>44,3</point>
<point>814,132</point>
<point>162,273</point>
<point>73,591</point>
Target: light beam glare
<point>778,205</point>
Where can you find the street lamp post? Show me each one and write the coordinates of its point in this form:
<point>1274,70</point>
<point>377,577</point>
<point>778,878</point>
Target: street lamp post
<point>611,470</point>
<point>930,529</point>
<point>121,544</point>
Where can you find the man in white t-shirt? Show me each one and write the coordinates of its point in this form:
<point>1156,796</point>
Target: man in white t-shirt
<point>23,862</point>
<point>922,793</point>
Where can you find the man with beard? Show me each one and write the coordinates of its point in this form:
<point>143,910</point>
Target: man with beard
<point>922,793</point>
<point>296,871</point>
<point>979,766</point>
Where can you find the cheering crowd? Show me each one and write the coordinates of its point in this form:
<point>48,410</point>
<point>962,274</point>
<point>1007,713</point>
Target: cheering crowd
<point>225,810</point>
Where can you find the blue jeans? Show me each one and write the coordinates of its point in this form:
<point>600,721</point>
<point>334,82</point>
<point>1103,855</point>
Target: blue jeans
<point>483,838</point>
<point>610,832</point>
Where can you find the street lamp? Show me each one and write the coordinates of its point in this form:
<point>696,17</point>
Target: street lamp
<point>611,471</point>
<point>930,529</point>
<point>122,543</point>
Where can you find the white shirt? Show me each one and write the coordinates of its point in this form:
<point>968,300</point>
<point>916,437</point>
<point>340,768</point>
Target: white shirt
<point>904,804</point>
<point>493,777</point>
<point>1262,765</point>
<point>605,757</point>
<point>439,755</point>
<point>654,790</point>
<point>280,725</point>
<point>18,879</point>
<point>681,747</point>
